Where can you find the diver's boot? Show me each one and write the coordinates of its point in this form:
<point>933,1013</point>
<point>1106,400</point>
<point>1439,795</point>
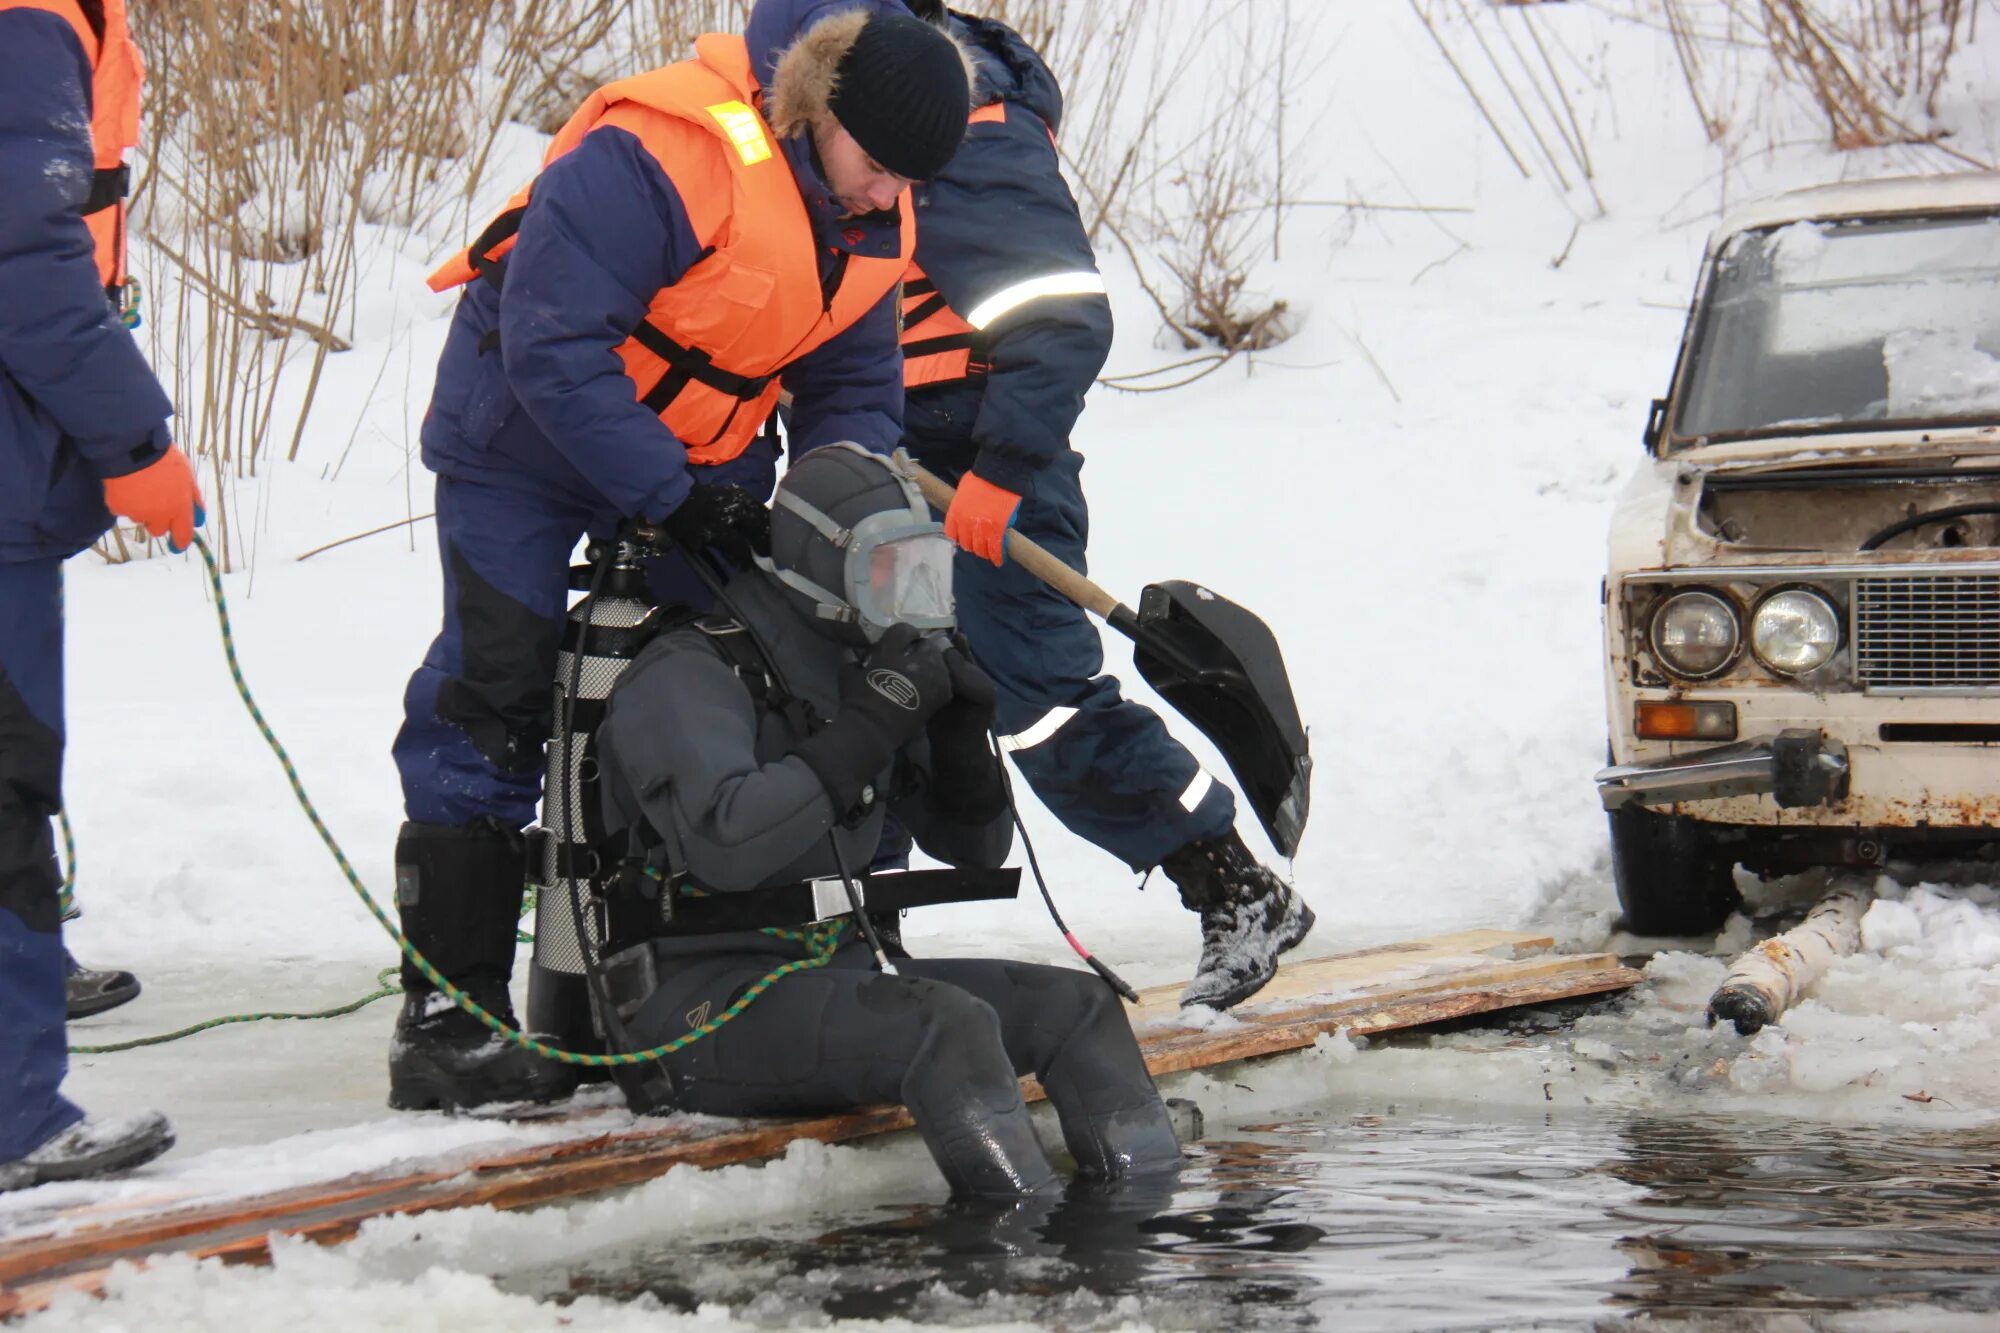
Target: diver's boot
<point>1248,917</point>
<point>989,1154</point>
<point>459,892</point>
<point>91,1148</point>
<point>90,991</point>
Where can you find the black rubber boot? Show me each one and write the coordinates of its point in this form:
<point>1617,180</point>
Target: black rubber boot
<point>459,893</point>
<point>962,1092</point>
<point>90,991</point>
<point>1248,917</point>
<point>91,1148</point>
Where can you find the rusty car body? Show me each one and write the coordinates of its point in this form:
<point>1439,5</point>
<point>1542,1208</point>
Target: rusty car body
<point>1802,604</point>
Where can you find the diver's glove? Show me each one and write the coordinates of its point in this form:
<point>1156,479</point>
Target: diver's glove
<point>965,773</point>
<point>885,703</point>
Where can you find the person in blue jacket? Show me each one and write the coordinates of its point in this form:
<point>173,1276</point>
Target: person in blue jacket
<point>83,436</point>
<point>1005,326</point>
<point>578,356</point>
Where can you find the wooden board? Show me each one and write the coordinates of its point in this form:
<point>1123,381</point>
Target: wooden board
<point>1371,991</point>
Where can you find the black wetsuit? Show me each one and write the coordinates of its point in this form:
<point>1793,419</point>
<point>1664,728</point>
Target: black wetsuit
<point>693,746</point>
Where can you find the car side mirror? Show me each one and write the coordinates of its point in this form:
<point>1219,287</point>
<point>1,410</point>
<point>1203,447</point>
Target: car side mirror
<point>1656,417</point>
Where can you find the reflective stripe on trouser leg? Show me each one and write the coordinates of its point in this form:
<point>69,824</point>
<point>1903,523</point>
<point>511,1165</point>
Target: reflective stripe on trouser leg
<point>478,710</point>
<point>1109,769</point>
<point>33,1050</point>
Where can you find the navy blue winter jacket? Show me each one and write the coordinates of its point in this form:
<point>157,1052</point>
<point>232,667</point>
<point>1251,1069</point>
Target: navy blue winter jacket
<point>1000,215</point>
<point>605,230</point>
<point>77,401</point>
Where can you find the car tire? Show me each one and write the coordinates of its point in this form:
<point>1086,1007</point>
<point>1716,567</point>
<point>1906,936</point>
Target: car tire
<point>1672,876</point>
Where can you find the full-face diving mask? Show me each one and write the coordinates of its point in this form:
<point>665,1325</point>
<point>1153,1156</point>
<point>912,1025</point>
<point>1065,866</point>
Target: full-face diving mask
<point>892,560</point>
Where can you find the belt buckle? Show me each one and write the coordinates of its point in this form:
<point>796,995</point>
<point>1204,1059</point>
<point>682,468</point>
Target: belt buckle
<point>630,978</point>
<point>830,898</point>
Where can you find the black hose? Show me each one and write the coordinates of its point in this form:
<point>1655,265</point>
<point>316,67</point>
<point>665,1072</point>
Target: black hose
<point>1915,521</point>
<point>1097,965</point>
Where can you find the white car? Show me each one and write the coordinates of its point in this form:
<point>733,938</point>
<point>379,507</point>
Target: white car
<point>1802,609</point>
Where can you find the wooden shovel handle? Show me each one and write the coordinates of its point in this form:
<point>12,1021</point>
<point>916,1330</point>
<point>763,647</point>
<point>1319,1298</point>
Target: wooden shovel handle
<point>1034,559</point>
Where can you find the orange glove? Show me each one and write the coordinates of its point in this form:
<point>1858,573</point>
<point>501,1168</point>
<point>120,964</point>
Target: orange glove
<point>980,515</point>
<point>161,497</point>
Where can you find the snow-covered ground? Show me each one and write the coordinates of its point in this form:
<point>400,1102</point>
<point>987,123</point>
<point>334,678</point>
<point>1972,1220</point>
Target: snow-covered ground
<point>1413,492</point>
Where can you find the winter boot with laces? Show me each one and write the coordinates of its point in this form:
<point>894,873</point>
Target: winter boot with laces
<point>91,1148</point>
<point>89,990</point>
<point>459,893</point>
<point>1248,917</point>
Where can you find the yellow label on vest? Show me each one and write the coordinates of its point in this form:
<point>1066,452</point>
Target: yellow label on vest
<point>740,123</point>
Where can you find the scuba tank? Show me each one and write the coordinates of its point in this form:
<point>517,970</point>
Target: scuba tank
<point>612,625</point>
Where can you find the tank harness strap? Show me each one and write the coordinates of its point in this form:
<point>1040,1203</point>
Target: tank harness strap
<point>739,651</point>
<point>823,902</point>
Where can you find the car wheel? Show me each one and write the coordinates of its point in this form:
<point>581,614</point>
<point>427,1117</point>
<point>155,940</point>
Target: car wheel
<point>1672,876</point>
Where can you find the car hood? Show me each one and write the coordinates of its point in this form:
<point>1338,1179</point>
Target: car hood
<point>1811,503</point>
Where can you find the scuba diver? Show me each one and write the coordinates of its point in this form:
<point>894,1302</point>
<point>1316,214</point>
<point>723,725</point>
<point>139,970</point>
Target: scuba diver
<point>748,754</point>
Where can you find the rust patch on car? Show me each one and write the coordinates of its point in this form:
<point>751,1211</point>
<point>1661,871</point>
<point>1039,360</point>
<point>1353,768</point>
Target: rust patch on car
<point>1967,811</point>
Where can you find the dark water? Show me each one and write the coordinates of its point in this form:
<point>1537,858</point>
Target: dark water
<point>1410,1221</point>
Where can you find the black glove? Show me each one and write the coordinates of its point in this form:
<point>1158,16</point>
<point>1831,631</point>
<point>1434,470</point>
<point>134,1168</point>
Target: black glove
<point>965,773</point>
<point>884,705</point>
<point>726,518</point>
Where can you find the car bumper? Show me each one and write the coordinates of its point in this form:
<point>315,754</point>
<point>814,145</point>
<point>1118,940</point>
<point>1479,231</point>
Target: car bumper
<point>1795,768</point>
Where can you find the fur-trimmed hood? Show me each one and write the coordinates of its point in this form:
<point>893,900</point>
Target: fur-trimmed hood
<point>796,47</point>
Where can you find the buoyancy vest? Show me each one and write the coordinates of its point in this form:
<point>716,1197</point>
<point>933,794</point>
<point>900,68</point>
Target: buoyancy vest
<point>708,355</point>
<point>117,73</point>
<point>939,346</point>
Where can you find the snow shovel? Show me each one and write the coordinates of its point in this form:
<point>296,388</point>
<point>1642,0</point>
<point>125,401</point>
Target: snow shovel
<point>1214,661</point>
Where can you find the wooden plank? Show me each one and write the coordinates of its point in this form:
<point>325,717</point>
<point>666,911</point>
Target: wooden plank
<point>1369,991</point>
<point>1381,965</point>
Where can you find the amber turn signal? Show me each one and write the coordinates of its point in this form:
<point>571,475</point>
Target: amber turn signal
<point>1655,721</point>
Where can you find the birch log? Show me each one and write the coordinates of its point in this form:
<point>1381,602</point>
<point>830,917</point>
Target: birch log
<point>1769,979</point>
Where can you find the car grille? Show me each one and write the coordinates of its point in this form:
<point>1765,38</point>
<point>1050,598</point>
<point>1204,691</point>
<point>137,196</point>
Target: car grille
<point>1928,632</point>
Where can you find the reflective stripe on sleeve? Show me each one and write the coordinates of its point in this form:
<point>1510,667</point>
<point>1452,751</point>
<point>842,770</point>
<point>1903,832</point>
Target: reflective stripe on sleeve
<point>1082,283</point>
<point>1196,790</point>
<point>1045,726</point>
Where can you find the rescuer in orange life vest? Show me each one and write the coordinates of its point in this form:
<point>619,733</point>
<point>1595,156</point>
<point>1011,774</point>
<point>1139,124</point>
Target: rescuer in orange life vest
<point>700,236</point>
<point>83,436</point>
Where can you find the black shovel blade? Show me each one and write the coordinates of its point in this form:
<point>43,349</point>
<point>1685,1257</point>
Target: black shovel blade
<point>1219,666</point>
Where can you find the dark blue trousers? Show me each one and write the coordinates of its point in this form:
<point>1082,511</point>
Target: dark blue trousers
<point>1105,766</point>
<point>477,712</point>
<point>33,1048</point>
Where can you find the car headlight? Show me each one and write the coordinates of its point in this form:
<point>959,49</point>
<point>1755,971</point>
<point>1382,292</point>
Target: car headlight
<point>1695,634</point>
<point>1794,631</point>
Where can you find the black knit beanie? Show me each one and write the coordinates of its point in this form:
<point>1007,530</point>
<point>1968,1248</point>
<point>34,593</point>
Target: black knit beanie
<point>901,92</point>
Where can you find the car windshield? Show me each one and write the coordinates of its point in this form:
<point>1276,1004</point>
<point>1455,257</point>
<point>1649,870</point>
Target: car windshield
<point>1825,326</point>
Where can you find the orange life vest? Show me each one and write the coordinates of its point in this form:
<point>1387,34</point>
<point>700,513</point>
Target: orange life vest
<point>939,346</point>
<point>116,74</point>
<point>708,355</point>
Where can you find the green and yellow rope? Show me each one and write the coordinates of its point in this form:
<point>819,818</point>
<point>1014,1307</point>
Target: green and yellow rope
<point>820,941</point>
<point>382,992</point>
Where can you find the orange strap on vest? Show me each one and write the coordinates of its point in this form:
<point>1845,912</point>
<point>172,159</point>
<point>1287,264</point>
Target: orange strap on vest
<point>939,347</point>
<point>117,73</point>
<point>708,355</point>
